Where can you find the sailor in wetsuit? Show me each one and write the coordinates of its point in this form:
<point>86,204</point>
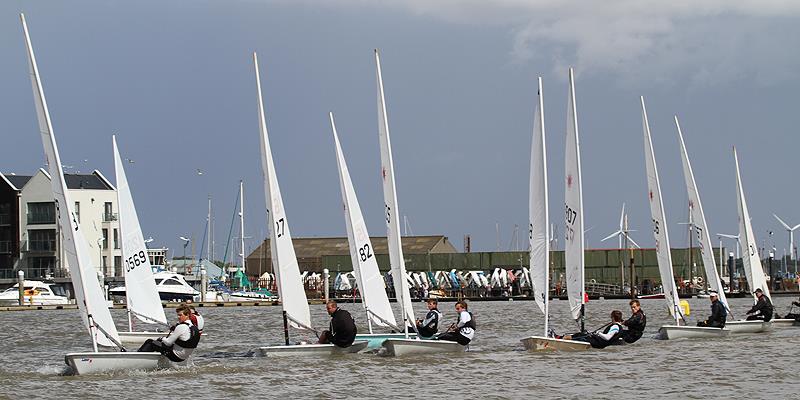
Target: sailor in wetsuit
<point>762,309</point>
<point>342,330</point>
<point>635,324</point>
<point>182,339</point>
<point>718,313</point>
<point>462,331</point>
<point>429,326</point>
<point>605,336</point>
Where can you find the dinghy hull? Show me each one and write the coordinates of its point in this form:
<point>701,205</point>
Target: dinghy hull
<point>748,326</point>
<point>667,332</point>
<point>404,347</point>
<point>312,349</point>
<point>782,322</point>
<point>376,339</point>
<point>94,363</point>
<point>541,343</point>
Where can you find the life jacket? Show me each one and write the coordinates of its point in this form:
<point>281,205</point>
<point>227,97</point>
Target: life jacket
<point>194,338</point>
<point>470,323</point>
<point>639,325</point>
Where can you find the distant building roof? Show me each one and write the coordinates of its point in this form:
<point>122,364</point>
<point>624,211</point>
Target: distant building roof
<point>87,181</point>
<point>318,247</point>
<point>17,180</point>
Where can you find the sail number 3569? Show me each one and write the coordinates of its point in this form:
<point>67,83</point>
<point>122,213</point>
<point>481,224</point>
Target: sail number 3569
<point>135,260</point>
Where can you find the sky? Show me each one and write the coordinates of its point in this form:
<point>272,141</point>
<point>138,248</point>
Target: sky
<point>175,81</point>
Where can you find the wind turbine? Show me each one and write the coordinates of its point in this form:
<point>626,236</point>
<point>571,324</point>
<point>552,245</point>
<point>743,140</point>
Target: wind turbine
<point>791,234</point>
<point>623,230</point>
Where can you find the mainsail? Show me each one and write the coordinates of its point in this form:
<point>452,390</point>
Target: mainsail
<point>369,278</point>
<point>390,205</point>
<point>140,287</point>
<point>538,212</point>
<point>699,222</point>
<point>573,199</point>
<point>751,260</point>
<point>284,261</point>
<point>659,226</point>
<point>88,293</point>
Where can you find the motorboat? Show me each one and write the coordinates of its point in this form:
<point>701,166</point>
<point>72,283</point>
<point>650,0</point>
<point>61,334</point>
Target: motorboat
<point>260,294</point>
<point>171,287</point>
<point>34,293</point>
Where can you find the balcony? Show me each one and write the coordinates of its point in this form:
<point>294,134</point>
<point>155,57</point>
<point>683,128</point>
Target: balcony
<point>110,217</point>
<point>42,245</point>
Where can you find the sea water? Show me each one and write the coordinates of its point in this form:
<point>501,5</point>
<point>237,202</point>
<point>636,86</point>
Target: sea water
<point>225,365</point>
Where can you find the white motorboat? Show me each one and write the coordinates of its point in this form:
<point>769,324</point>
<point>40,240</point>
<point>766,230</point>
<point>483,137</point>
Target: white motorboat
<point>34,293</point>
<point>691,332</point>
<point>170,287</point>
<point>292,294</point>
<point>252,295</point>
<point>88,294</point>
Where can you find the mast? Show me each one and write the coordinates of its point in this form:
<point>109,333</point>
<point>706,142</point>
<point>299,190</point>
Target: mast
<point>208,221</point>
<point>241,224</point>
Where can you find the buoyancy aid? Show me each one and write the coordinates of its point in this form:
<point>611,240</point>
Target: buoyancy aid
<point>194,338</point>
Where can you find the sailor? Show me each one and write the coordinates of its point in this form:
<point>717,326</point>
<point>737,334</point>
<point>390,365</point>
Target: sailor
<point>762,310</point>
<point>635,324</point>
<point>429,326</point>
<point>463,331</point>
<point>605,336</point>
<point>718,313</point>
<point>197,319</point>
<point>342,330</point>
<point>182,339</point>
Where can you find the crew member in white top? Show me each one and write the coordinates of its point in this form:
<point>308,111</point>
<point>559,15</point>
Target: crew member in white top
<point>462,331</point>
<point>181,341</point>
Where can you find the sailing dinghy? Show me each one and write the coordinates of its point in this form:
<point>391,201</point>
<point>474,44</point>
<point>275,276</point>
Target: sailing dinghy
<point>142,299</point>
<point>538,225</point>
<point>284,261</point>
<point>404,343</point>
<point>661,235</point>
<point>88,293</point>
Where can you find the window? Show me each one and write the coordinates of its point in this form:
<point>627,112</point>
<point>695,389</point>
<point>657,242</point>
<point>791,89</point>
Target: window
<point>5,213</point>
<point>42,213</point>
<point>42,240</point>
<point>105,238</point>
<point>108,212</point>
<point>117,264</point>
<point>39,267</point>
<point>78,211</point>
<point>105,262</point>
<point>116,239</point>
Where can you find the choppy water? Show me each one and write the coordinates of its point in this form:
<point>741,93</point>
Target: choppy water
<point>33,344</point>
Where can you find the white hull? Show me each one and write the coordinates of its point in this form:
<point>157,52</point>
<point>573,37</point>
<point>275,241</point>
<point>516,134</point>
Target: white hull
<point>312,349</point>
<point>748,326</point>
<point>541,343</point>
<point>782,322</point>
<point>93,363</point>
<point>690,332</point>
<point>35,301</point>
<point>403,347</point>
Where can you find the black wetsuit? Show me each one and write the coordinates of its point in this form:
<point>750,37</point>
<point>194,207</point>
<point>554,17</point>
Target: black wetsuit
<point>342,328</point>
<point>636,324</point>
<point>718,316</point>
<point>597,341</point>
<point>763,309</point>
<point>430,325</point>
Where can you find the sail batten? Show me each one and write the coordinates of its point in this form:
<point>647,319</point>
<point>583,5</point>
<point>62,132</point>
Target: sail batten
<point>284,260</point>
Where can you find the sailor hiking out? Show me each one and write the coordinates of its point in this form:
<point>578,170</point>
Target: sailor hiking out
<point>463,331</point>
<point>429,326</point>
<point>718,313</point>
<point>181,341</point>
<point>635,324</point>
<point>763,308</point>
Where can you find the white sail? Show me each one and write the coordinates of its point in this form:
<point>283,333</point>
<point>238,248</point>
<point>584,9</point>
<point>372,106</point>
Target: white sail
<point>284,261</point>
<point>396,259</point>
<point>659,221</point>
<point>573,199</point>
<point>140,287</point>
<point>750,259</point>
<point>88,293</point>
<point>369,278</point>
<point>538,212</point>
<point>699,222</point>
